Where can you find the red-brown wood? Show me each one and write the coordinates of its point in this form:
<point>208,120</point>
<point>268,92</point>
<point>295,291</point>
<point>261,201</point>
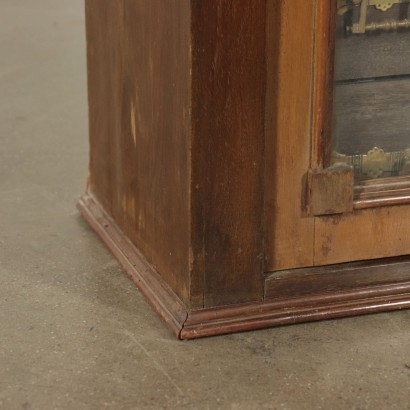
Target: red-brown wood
<point>289,52</point>
<point>161,297</point>
<point>382,192</point>
<point>209,129</point>
<point>323,83</point>
<point>139,64</point>
<point>331,190</point>
<point>325,303</point>
<point>228,149</point>
<point>334,279</point>
<point>211,322</point>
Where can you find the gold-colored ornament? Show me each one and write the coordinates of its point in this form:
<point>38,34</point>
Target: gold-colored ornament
<point>376,163</point>
<point>363,26</point>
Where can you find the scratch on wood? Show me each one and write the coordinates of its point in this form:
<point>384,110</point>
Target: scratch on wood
<point>133,124</point>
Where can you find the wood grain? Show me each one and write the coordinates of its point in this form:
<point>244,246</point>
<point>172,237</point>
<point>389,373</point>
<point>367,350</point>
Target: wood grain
<point>104,59</point>
<point>228,149</point>
<point>348,277</point>
<point>289,234</point>
<point>140,103</point>
<point>323,83</point>
<point>239,318</point>
<point>207,119</point>
<point>381,192</point>
<point>331,190</point>
<point>365,234</point>
<point>292,135</point>
<point>191,324</point>
<point>161,297</point>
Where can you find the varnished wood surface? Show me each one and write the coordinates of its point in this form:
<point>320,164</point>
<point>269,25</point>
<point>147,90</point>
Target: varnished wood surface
<point>348,277</point>
<point>228,149</point>
<point>192,324</point>
<point>177,105</point>
<point>139,62</point>
<point>161,297</point>
<point>353,236</point>
<point>104,59</point>
<point>322,84</point>
<point>289,234</point>
<point>382,192</point>
<point>240,318</point>
<point>364,234</point>
<point>204,122</point>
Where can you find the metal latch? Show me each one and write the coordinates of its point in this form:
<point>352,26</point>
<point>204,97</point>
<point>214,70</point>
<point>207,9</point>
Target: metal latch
<point>363,26</point>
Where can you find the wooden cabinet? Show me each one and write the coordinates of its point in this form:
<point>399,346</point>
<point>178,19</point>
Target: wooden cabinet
<point>248,160</point>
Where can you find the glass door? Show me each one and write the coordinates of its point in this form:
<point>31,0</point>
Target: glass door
<point>338,133</point>
<point>370,132</point>
<point>371,120</point>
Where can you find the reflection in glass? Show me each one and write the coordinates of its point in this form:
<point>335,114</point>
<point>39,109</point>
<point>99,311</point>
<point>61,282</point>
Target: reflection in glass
<point>372,91</point>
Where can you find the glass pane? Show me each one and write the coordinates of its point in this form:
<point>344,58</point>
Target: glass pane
<point>372,89</point>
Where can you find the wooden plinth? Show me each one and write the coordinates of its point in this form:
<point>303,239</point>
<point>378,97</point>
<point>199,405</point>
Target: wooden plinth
<point>320,303</point>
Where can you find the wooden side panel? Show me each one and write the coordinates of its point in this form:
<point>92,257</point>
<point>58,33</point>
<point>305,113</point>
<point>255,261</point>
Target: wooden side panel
<point>164,301</point>
<point>367,234</point>
<point>228,149</point>
<point>140,99</point>
<point>104,55</point>
<point>290,42</point>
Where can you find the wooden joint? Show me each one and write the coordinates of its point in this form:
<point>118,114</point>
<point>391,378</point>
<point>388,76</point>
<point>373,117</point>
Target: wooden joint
<point>330,191</point>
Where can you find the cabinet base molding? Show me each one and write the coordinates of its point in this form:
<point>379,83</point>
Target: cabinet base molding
<point>192,324</point>
<point>163,300</point>
<point>239,318</point>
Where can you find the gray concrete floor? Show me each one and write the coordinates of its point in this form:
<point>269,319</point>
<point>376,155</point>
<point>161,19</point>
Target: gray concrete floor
<point>75,333</point>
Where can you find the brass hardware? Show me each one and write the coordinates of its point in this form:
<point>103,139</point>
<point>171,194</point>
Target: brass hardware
<point>386,26</point>
<point>376,163</point>
<point>384,5</point>
<point>363,26</point>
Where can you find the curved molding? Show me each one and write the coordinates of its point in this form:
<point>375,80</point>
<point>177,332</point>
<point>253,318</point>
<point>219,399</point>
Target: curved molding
<point>273,311</point>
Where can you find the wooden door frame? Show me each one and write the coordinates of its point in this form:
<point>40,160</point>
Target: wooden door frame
<point>299,233</point>
<point>365,194</point>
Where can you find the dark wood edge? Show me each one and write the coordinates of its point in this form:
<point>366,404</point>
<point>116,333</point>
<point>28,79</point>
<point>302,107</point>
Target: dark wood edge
<point>386,201</point>
<point>363,276</point>
<point>382,192</point>
<point>228,65</point>
<point>382,184</point>
<point>164,301</point>
<point>211,322</point>
<point>323,79</point>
